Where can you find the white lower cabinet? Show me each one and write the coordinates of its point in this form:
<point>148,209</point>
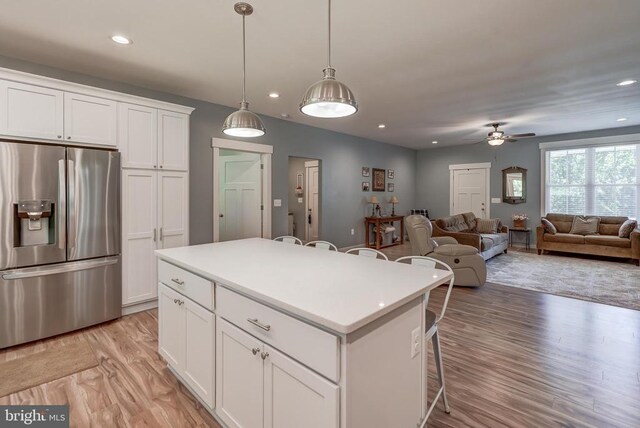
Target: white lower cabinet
<point>186,332</point>
<point>258,386</point>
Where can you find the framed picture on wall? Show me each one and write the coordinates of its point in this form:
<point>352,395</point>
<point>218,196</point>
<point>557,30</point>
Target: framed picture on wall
<point>365,186</point>
<point>390,187</point>
<point>378,180</point>
<point>390,174</point>
<point>366,171</point>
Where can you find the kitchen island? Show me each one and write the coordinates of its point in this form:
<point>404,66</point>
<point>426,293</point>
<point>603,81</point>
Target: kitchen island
<point>268,334</point>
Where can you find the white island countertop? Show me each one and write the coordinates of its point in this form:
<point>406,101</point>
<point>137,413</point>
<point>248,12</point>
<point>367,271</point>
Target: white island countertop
<point>341,292</point>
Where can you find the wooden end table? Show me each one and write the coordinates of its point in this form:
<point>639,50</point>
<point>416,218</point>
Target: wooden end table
<point>377,224</point>
<point>527,233</point>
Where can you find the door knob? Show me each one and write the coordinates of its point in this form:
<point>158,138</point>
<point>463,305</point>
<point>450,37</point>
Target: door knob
<point>255,350</point>
<point>264,355</point>
<point>221,215</point>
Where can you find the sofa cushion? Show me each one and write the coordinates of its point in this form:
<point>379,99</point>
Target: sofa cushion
<point>485,243</point>
<point>626,228</point>
<point>454,223</point>
<point>585,225</point>
<point>565,238</point>
<point>562,222</point>
<point>610,225</point>
<point>548,226</point>
<point>497,238</point>
<point>470,218</point>
<point>489,225</point>
<point>609,241</point>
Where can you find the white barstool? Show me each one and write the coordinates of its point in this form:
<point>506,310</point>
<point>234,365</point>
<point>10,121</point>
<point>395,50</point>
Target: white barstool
<point>288,240</point>
<point>367,252</point>
<point>432,321</point>
<point>322,245</point>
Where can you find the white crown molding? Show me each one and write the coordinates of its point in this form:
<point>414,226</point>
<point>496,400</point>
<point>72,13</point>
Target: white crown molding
<point>613,139</point>
<point>63,85</point>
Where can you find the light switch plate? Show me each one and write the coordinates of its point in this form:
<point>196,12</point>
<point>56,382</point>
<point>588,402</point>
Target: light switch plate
<point>299,200</point>
<point>496,200</point>
<point>277,202</point>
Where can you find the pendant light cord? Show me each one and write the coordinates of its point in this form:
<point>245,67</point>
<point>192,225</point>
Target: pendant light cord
<point>244,62</point>
<point>329,44</point>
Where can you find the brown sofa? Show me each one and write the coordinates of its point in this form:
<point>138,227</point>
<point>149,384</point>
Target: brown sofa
<point>459,226</point>
<point>605,243</point>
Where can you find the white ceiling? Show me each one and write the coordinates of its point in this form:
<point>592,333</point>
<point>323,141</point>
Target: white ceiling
<point>430,70</point>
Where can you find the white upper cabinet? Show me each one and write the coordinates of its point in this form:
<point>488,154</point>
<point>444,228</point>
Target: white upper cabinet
<point>173,141</point>
<point>31,111</point>
<point>138,136</point>
<point>90,120</point>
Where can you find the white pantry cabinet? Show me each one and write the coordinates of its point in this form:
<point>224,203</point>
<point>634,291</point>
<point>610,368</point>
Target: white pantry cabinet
<point>90,120</point>
<point>173,141</point>
<point>31,111</point>
<point>155,214</point>
<point>257,386</point>
<point>183,328</point>
<point>138,136</point>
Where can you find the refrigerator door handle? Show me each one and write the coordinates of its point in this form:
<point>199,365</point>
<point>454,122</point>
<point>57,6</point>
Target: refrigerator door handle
<point>57,269</point>
<point>71,195</point>
<point>62,206</point>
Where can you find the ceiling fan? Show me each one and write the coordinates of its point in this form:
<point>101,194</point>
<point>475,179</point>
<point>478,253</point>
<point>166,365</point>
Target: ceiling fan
<point>496,138</point>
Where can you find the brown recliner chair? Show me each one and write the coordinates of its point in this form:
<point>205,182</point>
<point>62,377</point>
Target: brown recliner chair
<point>468,266</point>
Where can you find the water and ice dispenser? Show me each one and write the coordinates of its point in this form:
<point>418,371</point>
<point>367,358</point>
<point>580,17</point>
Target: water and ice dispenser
<point>35,225</point>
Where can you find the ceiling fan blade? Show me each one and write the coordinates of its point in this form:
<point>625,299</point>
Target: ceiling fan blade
<point>510,140</point>
<point>530,134</point>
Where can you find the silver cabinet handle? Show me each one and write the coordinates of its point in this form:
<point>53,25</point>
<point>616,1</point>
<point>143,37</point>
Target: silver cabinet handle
<point>175,300</point>
<point>181,302</point>
<point>69,137</point>
<point>177,281</point>
<point>255,351</point>
<point>161,234</point>
<point>154,235</point>
<point>264,355</point>
<point>59,136</point>
<point>255,322</point>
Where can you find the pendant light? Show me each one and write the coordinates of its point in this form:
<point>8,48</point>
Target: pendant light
<point>329,98</point>
<point>243,123</point>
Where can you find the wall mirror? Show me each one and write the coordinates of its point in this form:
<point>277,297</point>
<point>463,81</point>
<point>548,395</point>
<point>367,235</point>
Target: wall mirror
<point>514,185</point>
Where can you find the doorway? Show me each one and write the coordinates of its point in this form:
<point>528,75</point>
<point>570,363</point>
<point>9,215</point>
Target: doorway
<point>469,189</point>
<point>304,212</point>
<point>242,190</point>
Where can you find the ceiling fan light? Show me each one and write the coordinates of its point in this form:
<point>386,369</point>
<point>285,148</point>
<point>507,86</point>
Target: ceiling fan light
<point>243,123</point>
<point>495,141</point>
<point>328,98</point>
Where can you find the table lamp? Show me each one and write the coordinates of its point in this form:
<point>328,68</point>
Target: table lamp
<point>393,201</point>
<point>373,201</point>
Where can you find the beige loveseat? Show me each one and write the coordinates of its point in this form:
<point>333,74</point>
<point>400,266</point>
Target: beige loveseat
<point>605,243</point>
<point>462,226</point>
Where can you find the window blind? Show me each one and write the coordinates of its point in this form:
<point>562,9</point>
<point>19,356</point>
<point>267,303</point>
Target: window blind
<point>595,180</point>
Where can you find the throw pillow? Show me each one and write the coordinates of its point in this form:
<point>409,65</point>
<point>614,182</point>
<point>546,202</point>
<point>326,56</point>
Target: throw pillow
<point>626,228</point>
<point>548,226</point>
<point>489,225</point>
<point>585,226</point>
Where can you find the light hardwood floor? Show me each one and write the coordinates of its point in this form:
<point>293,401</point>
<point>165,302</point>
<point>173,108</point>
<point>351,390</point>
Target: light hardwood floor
<point>512,358</point>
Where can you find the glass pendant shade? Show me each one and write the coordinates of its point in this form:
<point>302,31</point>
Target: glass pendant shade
<point>328,98</point>
<point>495,141</point>
<point>243,123</point>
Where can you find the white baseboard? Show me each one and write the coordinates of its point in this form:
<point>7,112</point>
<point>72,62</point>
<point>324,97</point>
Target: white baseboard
<point>140,307</point>
<point>343,249</point>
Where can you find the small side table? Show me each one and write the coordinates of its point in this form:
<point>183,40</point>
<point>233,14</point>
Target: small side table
<point>527,234</point>
<point>377,222</point>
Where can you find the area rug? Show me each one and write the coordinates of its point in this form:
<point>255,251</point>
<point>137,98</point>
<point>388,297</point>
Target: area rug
<point>44,366</point>
<point>614,283</point>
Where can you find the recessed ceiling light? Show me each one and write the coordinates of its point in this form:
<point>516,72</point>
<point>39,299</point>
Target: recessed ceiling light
<point>382,125</point>
<point>274,95</point>
<point>622,119</point>
<point>434,142</point>
<point>626,82</point>
<point>121,40</point>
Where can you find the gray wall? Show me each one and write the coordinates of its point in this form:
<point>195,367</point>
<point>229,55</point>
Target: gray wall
<point>432,178</point>
<point>342,156</point>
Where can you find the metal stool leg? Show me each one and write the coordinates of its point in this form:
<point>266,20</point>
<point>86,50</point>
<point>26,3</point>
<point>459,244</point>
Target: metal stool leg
<point>438,357</point>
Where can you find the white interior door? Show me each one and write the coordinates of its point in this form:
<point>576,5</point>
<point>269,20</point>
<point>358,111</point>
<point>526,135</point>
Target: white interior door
<point>240,195</point>
<point>312,200</point>
<point>470,191</point>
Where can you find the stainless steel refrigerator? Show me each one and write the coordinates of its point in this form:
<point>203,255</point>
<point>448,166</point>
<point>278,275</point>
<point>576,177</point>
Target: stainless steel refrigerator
<point>60,264</point>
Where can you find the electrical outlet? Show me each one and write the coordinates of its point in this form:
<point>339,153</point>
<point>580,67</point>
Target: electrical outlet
<point>353,232</point>
<point>415,342</point>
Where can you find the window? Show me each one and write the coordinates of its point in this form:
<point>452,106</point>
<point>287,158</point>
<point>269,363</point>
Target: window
<point>595,180</point>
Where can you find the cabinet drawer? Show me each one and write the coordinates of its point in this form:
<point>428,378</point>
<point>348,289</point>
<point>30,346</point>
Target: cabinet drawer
<point>311,346</point>
<point>197,289</point>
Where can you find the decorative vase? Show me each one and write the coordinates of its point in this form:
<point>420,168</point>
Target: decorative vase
<point>519,223</point>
